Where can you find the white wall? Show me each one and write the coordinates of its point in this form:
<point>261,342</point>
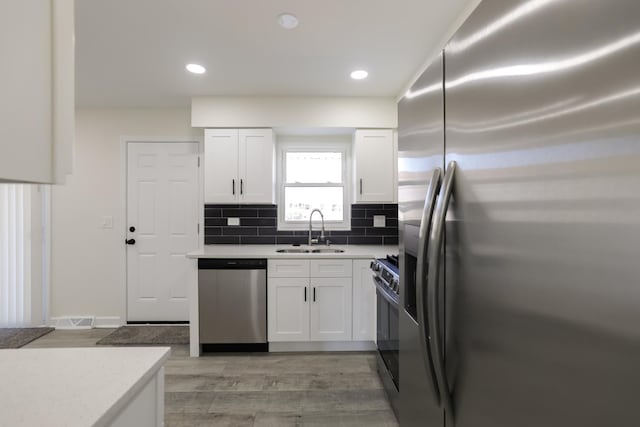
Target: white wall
<point>87,261</point>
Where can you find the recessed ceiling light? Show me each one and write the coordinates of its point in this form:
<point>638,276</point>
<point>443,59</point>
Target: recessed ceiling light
<point>288,21</point>
<point>196,68</point>
<point>359,74</point>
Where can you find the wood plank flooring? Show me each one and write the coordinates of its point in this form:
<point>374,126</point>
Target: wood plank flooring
<point>262,389</point>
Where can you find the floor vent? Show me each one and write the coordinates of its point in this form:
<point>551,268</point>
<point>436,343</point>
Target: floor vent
<point>75,322</point>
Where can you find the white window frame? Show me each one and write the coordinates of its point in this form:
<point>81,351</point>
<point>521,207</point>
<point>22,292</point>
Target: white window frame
<point>318,147</point>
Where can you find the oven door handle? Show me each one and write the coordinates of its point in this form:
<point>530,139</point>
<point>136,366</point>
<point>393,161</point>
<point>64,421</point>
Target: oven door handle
<point>422,271</point>
<point>436,240</point>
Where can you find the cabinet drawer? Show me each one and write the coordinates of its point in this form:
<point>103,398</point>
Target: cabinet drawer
<point>288,268</point>
<point>331,268</point>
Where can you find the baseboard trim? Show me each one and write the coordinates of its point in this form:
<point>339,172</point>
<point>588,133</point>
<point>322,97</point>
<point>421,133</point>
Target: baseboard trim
<point>322,346</point>
<point>109,322</point>
<point>99,322</point>
<point>235,348</point>
<point>157,322</point>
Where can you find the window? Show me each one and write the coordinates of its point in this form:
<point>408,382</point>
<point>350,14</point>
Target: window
<point>24,254</point>
<point>313,176</point>
<point>15,255</point>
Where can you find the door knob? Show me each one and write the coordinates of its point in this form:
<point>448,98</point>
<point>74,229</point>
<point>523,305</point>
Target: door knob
<point>130,242</point>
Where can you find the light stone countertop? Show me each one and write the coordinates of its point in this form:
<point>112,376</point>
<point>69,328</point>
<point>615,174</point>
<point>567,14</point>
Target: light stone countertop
<point>269,251</point>
<point>73,386</point>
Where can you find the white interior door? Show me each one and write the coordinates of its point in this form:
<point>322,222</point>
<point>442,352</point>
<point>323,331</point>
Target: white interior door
<point>162,211</point>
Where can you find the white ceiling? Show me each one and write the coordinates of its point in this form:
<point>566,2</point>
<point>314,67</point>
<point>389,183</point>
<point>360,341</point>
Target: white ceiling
<point>132,53</point>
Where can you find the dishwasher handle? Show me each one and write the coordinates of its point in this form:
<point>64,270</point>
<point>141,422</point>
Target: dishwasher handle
<point>232,264</point>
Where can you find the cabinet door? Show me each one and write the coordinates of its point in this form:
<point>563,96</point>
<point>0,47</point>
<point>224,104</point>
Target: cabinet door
<point>364,302</point>
<point>221,166</point>
<point>330,309</point>
<point>374,169</point>
<point>256,163</point>
<point>37,105</point>
<point>288,309</point>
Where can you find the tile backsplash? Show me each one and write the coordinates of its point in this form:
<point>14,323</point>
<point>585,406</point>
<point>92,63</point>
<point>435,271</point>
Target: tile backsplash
<point>258,225</point>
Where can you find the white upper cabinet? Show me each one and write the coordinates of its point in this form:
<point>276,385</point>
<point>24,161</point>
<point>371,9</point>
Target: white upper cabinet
<point>239,166</point>
<point>374,166</point>
<point>221,184</point>
<point>37,106</point>
<point>257,165</point>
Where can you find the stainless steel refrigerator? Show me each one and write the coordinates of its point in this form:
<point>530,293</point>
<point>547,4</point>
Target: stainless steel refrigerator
<point>519,200</point>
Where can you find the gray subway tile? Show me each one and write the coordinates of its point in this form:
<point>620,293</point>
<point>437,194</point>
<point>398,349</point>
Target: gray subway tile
<point>215,222</point>
<point>257,240</point>
<point>239,212</point>
<point>212,212</point>
<point>240,231</point>
<point>222,240</point>
<point>363,240</point>
<point>381,231</point>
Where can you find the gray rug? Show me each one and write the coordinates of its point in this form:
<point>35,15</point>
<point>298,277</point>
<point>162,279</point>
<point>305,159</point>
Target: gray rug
<point>17,337</point>
<point>147,335</point>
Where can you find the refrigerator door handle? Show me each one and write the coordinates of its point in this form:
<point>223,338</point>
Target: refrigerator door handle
<point>421,274</point>
<point>433,285</point>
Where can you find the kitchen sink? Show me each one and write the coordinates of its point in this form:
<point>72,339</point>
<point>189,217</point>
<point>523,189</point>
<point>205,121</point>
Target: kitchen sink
<point>310,251</point>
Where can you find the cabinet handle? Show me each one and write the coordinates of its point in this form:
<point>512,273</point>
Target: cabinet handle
<point>241,187</point>
<point>305,294</point>
<point>233,187</point>
<point>314,294</point>
<point>360,186</point>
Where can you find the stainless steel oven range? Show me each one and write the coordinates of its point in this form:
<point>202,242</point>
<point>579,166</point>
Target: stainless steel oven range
<point>385,277</point>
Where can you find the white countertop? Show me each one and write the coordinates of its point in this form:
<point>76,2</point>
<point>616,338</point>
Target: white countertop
<point>269,251</point>
<point>73,386</point>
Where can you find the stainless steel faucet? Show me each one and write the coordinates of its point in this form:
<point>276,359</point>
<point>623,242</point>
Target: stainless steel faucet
<point>312,241</point>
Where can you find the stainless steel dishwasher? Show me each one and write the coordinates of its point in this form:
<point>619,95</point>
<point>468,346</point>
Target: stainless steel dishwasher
<point>232,301</point>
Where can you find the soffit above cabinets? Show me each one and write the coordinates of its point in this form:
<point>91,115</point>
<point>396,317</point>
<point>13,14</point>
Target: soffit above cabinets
<point>298,112</point>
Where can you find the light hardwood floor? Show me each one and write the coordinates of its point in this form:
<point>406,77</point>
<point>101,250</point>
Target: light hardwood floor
<point>262,389</point>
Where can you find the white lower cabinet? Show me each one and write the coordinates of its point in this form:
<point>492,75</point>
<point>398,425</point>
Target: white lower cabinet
<point>364,301</point>
<point>330,309</point>
<point>309,308</point>
<point>288,309</point>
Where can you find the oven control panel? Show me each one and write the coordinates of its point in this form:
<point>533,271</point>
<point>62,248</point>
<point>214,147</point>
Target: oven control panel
<point>386,270</point>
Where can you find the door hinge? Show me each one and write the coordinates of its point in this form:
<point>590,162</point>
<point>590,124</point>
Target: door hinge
<point>198,228</point>
<point>198,161</point>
